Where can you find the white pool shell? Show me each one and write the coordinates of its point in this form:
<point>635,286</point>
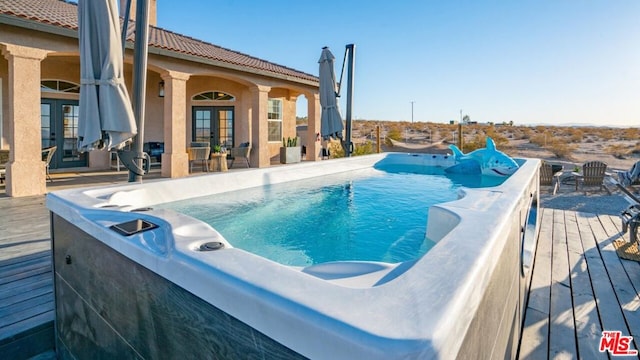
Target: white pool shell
<point>349,310</point>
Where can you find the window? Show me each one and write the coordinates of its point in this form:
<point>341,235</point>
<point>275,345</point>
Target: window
<point>213,95</point>
<point>274,118</point>
<point>59,86</point>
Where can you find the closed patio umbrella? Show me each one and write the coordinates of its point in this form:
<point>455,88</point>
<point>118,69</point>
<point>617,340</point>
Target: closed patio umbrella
<point>106,117</point>
<point>331,121</point>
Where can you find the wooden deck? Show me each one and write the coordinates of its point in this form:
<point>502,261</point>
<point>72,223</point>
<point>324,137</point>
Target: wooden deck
<point>579,286</point>
<point>26,280</point>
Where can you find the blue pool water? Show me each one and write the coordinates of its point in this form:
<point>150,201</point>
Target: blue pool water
<point>367,215</point>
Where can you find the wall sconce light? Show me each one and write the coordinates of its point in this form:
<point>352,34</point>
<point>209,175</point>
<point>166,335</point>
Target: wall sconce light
<point>161,89</point>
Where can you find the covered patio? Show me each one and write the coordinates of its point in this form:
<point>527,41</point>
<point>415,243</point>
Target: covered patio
<point>195,91</point>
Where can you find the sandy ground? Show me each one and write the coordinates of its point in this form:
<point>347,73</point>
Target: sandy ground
<point>594,203</point>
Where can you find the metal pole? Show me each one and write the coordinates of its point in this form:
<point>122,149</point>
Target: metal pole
<point>139,81</point>
<point>412,111</point>
<point>460,132</point>
<point>125,26</point>
<point>351,49</point>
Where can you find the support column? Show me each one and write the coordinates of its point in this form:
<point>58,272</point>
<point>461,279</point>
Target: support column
<point>175,161</point>
<point>25,171</point>
<point>260,156</point>
<point>314,147</point>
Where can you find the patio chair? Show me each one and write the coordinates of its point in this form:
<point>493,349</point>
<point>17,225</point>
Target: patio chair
<point>631,177</point>
<point>242,151</point>
<point>550,176</point>
<point>631,215</point>
<point>593,173</point>
<point>47,156</point>
<point>4,159</point>
<point>199,153</point>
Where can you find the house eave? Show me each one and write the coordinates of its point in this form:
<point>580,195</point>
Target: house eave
<point>225,65</point>
<point>72,33</point>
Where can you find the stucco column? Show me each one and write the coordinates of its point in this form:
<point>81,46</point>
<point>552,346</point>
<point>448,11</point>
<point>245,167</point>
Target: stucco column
<point>175,161</point>
<point>313,127</point>
<point>25,170</point>
<point>260,156</point>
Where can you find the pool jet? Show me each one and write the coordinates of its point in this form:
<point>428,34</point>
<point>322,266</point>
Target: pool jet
<point>487,161</point>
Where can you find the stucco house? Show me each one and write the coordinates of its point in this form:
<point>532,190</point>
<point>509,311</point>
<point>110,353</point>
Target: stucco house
<point>196,91</point>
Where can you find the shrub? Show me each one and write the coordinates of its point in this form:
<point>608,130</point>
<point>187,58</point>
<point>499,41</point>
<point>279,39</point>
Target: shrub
<point>336,150</point>
<point>363,149</point>
<point>477,142</point>
<point>561,149</point>
<point>618,151</point>
<point>395,134</point>
<point>539,139</point>
<point>575,136</point>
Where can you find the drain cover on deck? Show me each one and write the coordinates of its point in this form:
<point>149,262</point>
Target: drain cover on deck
<point>210,246</point>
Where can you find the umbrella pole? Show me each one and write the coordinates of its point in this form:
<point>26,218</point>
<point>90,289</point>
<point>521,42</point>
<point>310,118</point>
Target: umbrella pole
<point>139,82</point>
<point>125,26</point>
<point>348,145</point>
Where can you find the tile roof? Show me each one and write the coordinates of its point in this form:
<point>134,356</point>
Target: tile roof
<point>65,15</point>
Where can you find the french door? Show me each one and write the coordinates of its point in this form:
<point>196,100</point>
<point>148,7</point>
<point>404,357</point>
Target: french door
<point>213,124</point>
<point>59,127</point>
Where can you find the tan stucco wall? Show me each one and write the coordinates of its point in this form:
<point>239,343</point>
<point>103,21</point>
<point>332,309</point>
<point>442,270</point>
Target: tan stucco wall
<point>250,89</point>
<point>4,110</point>
<point>154,109</point>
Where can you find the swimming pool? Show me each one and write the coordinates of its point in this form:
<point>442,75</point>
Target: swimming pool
<point>462,298</point>
<point>365,215</point>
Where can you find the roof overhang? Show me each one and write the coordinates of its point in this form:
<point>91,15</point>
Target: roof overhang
<point>73,33</point>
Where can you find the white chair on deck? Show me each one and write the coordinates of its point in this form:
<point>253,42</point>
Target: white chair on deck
<point>47,156</point>
<point>199,153</point>
<point>242,151</point>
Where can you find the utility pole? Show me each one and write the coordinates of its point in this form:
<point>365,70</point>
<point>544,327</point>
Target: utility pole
<point>412,111</point>
<point>460,145</point>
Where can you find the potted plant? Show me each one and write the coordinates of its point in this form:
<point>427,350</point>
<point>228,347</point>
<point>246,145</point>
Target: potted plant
<point>216,149</point>
<point>290,152</point>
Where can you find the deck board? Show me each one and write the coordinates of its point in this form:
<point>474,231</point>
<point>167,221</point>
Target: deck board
<point>626,294</point>
<point>587,325</point>
<point>535,335</point>
<point>562,344</point>
<point>26,278</point>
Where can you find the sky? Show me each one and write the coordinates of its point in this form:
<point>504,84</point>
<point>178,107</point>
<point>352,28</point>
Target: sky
<point>553,62</point>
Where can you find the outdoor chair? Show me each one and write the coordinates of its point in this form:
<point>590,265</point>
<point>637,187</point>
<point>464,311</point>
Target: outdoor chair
<point>47,156</point>
<point>326,154</point>
<point>200,144</point>
<point>592,175</point>
<point>550,176</point>
<point>631,177</point>
<point>4,159</point>
<point>199,153</point>
<point>242,151</point>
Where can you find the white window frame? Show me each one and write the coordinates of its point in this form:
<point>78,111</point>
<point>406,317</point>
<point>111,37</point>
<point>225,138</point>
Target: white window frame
<point>213,94</point>
<point>273,117</point>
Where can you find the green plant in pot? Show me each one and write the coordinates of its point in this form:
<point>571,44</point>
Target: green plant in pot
<point>217,149</point>
<point>289,142</point>
<point>290,151</point>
